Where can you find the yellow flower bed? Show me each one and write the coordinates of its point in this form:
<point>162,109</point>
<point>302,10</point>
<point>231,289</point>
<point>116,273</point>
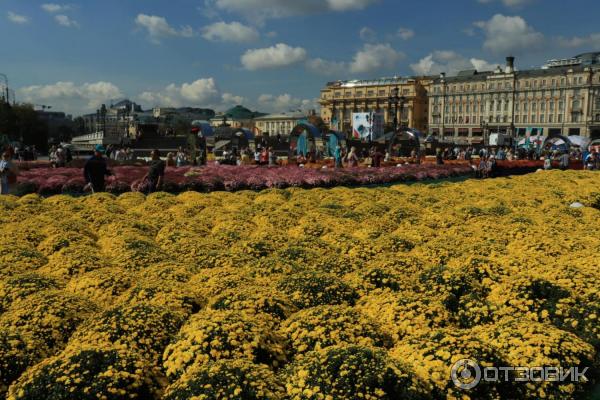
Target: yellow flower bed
<point>368,293</point>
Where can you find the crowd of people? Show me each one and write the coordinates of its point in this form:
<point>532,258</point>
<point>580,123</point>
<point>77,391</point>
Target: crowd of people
<point>484,160</point>
<point>96,170</point>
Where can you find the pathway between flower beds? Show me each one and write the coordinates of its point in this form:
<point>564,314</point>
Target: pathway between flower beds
<point>51,181</point>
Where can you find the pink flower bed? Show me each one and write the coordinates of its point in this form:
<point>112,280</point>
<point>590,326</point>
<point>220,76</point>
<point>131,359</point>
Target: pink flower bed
<point>48,181</point>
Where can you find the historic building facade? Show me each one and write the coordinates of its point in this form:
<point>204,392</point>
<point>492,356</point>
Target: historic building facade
<point>278,124</point>
<point>340,99</point>
<point>561,98</point>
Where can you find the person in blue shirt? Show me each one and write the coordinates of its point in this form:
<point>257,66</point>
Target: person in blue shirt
<point>7,171</point>
<point>337,155</point>
<point>96,169</point>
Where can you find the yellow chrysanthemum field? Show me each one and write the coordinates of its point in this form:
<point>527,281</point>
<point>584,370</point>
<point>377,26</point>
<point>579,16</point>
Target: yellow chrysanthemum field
<point>368,293</point>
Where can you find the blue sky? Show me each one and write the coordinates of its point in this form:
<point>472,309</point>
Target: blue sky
<point>272,55</point>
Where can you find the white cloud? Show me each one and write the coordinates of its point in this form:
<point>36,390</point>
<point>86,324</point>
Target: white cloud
<point>280,55</point>
<point>232,100</point>
<point>65,21</point>
<point>592,41</point>
<point>16,18</point>
<point>405,33</point>
<point>450,62</point>
<point>71,97</point>
<point>261,10</point>
<point>367,34</point>
<point>158,27</point>
<point>202,92</point>
<point>482,65</point>
<point>374,57</point>
<point>285,103</point>
<point>325,67</point>
<point>230,32</point>
<point>509,35</point>
<point>55,8</point>
<point>508,3</point>
<point>370,59</point>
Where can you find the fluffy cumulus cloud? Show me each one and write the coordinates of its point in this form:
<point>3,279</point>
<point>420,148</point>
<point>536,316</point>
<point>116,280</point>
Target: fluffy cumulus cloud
<point>230,32</point>
<point>320,66</point>
<point>158,28</point>
<point>405,33</point>
<point>71,97</point>
<point>278,56</point>
<point>591,41</point>
<point>229,99</point>
<point>286,103</point>
<point>375,57</point>
<point>371,58</point>
<point>201,92</point>
<point>261,10</point>
<point>367,34</point>
<point>17,18</point>
<point>55,8</point>
<point>66,21</point>
<point>508,3</point>
<point>509,34</point>
<point>449,62</point>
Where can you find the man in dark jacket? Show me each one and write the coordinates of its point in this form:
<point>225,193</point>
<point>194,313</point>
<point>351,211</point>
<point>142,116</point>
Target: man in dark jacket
<point>156,172</point>
<point>96,169</point>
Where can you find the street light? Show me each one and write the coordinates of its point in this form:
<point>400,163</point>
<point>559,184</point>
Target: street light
<point>103,115</point>
<point>394,100</point>
<point>484,126</point>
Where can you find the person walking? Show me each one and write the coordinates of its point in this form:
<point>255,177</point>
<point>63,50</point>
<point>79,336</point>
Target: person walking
<point>257,156</point>
<point>352,158</point>
<point>8,173</point>
<point>564,161</point>
<point>337,155</point>
<point>96,169</point>
<point>272,157</point>
<point>377,157</point>
<point>548,162</point>
<point>156,173</point>
<point>439,157</point>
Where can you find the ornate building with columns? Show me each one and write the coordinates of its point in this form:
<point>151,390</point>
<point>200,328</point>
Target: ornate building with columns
<point>561,98</point>
<point>340,99</point>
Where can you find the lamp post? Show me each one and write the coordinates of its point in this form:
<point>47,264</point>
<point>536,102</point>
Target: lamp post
<point>393,100</point>
<point>484,126</point>
<point>103,115</point>
<point>401,105</point>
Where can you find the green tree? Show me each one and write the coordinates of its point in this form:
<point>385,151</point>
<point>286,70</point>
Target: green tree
<point>31,130</point>
<point>8,124</point>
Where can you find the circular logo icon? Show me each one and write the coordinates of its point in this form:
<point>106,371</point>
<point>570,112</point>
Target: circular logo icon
<point>466,374</point>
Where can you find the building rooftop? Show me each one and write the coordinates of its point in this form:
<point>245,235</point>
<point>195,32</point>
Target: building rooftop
<point>282,116</point>
<point>240,113</point>
<point>370,82</point>
<point>468,76</point>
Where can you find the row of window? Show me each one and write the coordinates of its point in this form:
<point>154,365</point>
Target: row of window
<point>554,82</point>
<point>504,119</point>
<point>273,126</point>
<point>541,94</point>
<point>369,93</point>
<point>504,106</point>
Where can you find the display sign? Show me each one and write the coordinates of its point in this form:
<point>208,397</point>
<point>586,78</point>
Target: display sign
<point>367,125</point>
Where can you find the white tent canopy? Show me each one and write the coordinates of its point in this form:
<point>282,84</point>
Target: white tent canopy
<point>579,141</point>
